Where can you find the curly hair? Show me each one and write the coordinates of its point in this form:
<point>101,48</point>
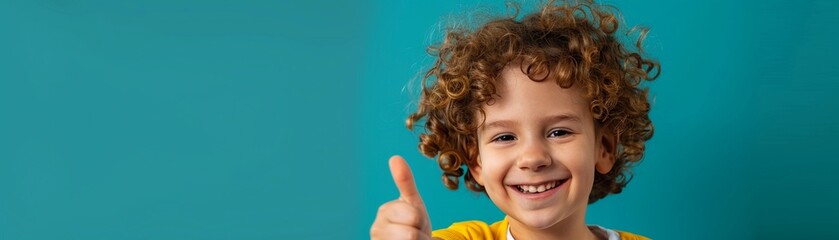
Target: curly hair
<point>570,43</point>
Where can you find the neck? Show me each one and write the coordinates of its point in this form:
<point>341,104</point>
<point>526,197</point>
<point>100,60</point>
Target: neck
<point>572,227</point>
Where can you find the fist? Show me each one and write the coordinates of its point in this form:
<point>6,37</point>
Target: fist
<point>405,217</point>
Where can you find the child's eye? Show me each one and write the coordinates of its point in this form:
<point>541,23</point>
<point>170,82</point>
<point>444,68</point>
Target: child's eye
<point>504,138</point>
<point>559,133</point>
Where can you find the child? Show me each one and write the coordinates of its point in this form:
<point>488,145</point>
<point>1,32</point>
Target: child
<point>543,114</point>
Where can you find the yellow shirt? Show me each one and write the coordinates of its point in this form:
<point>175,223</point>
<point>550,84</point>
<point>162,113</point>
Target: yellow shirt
<point>477,230</point>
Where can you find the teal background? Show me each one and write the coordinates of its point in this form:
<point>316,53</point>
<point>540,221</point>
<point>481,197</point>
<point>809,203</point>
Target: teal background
<point>269,120</point>
<point>179,119</point>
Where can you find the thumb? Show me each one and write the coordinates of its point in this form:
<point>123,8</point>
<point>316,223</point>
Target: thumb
<point>405,181</point>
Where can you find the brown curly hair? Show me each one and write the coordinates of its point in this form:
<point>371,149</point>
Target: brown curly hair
<point>570,43</point>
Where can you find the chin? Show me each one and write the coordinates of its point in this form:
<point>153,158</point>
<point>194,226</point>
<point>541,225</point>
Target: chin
<point>540,220</point>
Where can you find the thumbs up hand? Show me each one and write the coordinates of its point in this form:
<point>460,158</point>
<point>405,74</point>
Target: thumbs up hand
<point>406,217</point>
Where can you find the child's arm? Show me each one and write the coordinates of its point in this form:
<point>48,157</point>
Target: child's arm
<point>406,217</point>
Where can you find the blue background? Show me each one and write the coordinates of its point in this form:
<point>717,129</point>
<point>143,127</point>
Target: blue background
<point>258,120</point>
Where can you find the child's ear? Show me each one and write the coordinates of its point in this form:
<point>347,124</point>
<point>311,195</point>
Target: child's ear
<point>476,171</point>
<point>607,151</point>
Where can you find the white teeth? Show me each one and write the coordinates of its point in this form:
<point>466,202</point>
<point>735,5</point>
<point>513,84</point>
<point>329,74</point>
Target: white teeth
<point>537,188</point>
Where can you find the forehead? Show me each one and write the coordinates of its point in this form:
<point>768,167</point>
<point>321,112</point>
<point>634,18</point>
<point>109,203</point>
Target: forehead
<point>519,95</point>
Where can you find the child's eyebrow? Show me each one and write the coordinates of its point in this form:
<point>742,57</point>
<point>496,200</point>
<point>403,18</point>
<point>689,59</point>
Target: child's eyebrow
<point>499,124</point>
<point>562,117</point>
<point>549,119</point>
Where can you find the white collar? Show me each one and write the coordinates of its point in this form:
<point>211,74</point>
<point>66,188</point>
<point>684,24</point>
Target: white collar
<point>613,235</point>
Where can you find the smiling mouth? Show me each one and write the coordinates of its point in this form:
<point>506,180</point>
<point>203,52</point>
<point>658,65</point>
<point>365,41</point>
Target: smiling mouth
<point>531,189</point>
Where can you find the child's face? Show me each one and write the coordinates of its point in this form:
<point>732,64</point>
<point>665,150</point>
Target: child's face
<point>538,151</point>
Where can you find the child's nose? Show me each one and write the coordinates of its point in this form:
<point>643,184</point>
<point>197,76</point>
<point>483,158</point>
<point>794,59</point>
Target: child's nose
<point>534,157</point>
